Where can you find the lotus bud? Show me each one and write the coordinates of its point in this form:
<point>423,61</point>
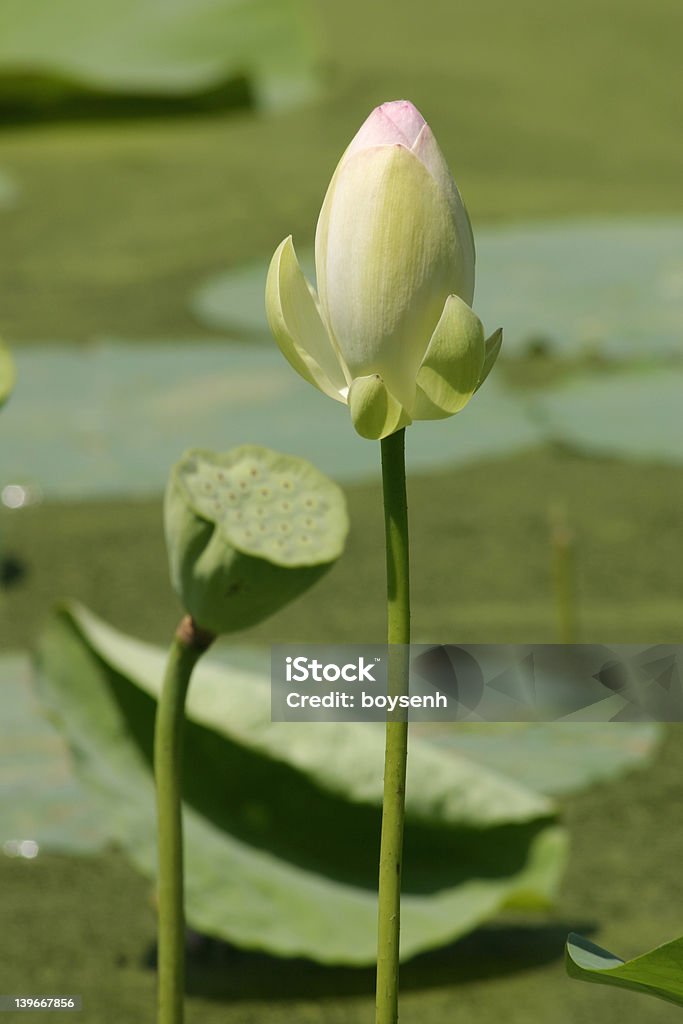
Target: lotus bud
<point>390,331</point>
<point>247,532</point>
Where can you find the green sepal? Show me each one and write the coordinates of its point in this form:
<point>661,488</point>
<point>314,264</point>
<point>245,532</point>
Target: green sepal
<point>374,410</point>
<point>493,345</point>
<point>453,363</point>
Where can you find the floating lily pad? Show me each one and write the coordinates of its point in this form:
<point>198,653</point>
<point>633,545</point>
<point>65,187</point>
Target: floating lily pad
<point>282,820</point>
<point>65,429</point>
<point>75,422</point>
<point>41,800</point>
<point>614,288</point>
<point>633,415</point>
<point>49,53</point>
<point>611,287</point>
<point>234,302</point>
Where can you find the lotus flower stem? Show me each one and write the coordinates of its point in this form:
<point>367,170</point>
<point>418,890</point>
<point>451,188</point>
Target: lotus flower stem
<point>189,643</point>
<point>393,808</point>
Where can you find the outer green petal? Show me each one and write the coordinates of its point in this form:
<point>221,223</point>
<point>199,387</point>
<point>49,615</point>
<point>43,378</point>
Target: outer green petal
<point>7,373</point>
<point>296,325</point>
<point>374,410</point>
<point>453,363</point>
<point>492,351</point>
<point>387,257</point>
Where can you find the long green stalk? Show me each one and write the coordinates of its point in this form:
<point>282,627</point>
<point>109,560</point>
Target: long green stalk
<point>188,646</point>
<point>396,751</point>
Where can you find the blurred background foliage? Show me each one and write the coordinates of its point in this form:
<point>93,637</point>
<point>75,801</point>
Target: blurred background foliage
<point>141,57</point>
<point>542,111</point>
<point>152,155</point>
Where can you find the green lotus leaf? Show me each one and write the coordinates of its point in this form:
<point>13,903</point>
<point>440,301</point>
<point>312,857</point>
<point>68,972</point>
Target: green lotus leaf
<point>550,757</point>
<point>657,973</point>
<point>219,52</point>
<point>282,819</point>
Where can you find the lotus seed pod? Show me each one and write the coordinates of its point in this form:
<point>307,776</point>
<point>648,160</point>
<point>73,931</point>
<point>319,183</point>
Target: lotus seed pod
<point>247,531</point>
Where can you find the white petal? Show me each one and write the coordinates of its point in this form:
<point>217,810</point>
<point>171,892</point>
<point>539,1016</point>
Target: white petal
<point>398,122</point>
<point>427,150</point>
<point>297,327</point>
<point>387,257</point>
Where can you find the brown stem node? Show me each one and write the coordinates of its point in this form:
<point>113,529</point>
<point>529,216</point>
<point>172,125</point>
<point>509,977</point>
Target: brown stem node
<point>193,636</point>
